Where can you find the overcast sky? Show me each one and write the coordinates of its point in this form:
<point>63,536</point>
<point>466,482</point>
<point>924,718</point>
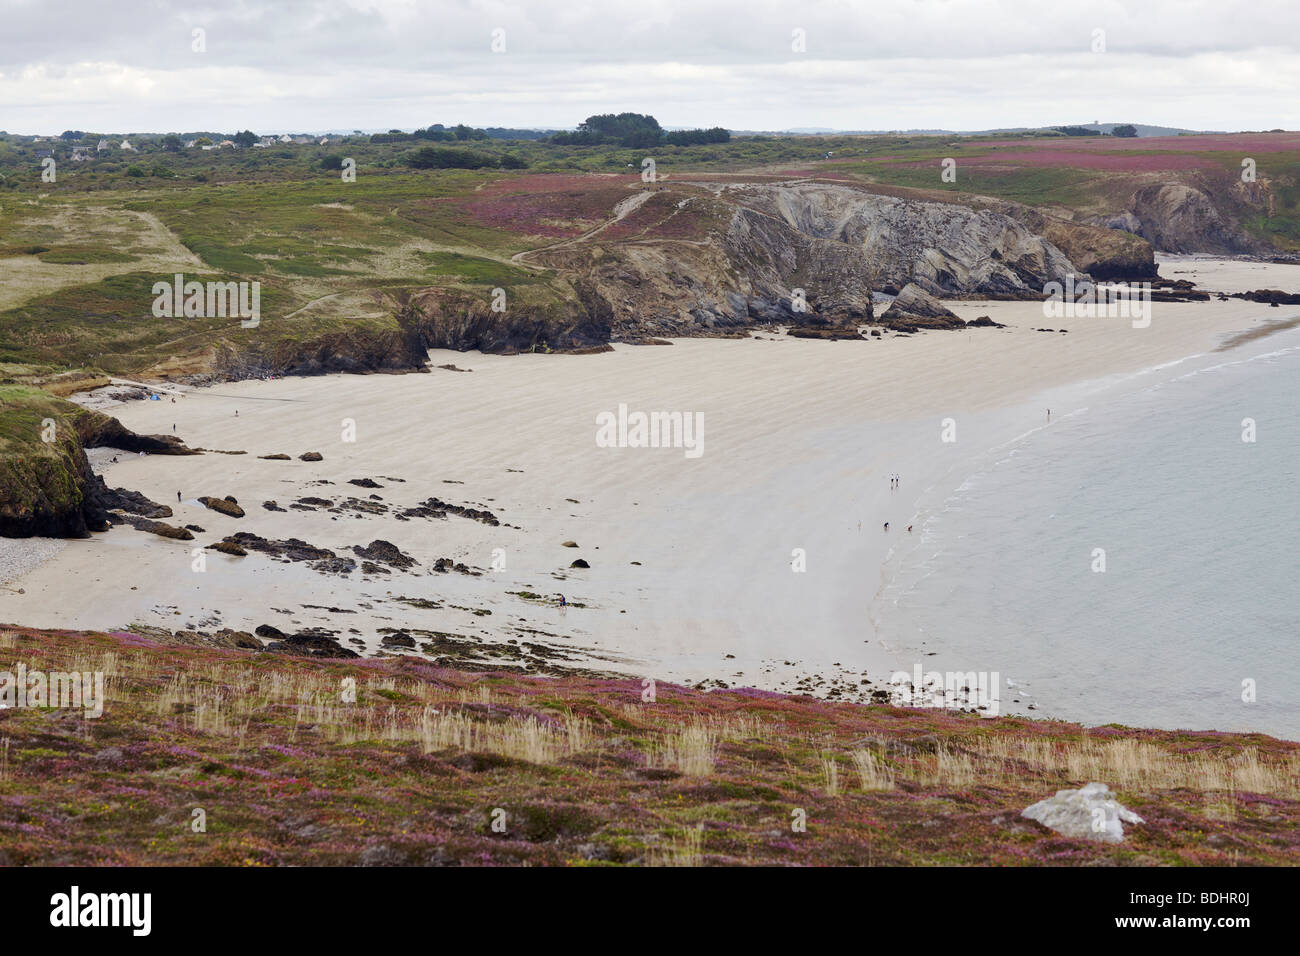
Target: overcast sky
<point>302,65</point>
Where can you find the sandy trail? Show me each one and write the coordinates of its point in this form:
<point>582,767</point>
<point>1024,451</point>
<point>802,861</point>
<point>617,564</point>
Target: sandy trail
<point>799,439</point>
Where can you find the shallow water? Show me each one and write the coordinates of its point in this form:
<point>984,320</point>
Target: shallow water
<point>1201,538</point>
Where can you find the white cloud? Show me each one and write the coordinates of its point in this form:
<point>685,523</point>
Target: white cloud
<point>309,64</point>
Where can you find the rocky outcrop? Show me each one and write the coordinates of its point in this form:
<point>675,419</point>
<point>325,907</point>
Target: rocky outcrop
<point>914,308</point>
<point>944,248</point>
<point>160,528</point>
<point>226,506</point>
<point>47,487</point>
<point>1109,250</point>
<point>354,350</point>
<point>385,552</point>
<point>457,319</point>
<point>1271,296</point>
<point>1175,217</point>
<point>803,254</point>
<point>97,430</point>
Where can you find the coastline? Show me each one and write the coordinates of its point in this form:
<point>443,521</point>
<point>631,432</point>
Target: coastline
<point>713,598</point>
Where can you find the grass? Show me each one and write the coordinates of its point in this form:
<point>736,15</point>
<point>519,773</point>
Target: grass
<point>393,761</point>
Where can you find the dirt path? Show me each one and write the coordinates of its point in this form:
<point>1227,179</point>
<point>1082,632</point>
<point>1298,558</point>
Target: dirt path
<point>622,209</point>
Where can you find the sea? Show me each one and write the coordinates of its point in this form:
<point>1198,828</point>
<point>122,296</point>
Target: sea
<point>1136,561</point>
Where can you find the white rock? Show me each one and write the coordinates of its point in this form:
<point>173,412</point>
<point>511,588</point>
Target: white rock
<point>1091,812</point>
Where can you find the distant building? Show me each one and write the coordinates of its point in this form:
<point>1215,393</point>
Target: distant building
<point>226,143</point>
<point>189,143</point>
<point>103,145</point>
<point>286,138</point>
<point>80,154</point>
<point>126,145</point>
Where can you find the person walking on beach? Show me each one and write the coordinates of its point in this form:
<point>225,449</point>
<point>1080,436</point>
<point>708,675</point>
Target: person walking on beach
<point>563,602</point>
<point>886,525</point>
<point>909,529</point>
<point>178,497</point>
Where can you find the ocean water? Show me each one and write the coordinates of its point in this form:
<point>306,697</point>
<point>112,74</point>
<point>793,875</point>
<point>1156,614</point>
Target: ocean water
<point>1199,602</point>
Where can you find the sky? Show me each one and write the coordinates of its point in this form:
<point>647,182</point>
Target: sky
<point>126,66</point>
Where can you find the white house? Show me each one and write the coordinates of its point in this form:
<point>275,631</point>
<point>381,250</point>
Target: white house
<point>103,145</point>
<point>126,145</point>
<point>286,138</point>
<point>189,143</point>
<point>226,143</point>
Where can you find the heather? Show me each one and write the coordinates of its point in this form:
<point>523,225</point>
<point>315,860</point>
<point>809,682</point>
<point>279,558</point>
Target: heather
<point>395,761</point>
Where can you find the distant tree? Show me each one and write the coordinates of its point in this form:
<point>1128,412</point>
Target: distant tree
<point>162,172</point>
<point>449,157</point>
<point>71,134</point>
<point>171,142</point>
<point>697,137</point>
<point>1076,131</point>
<point>245,139</point>
<point>330,161</point>
<point>511,161</point>
<point>136,172</point>
<point>437,132</point>
<point>631,130</point>
<point>203,141</point>
<point>1127,130</point>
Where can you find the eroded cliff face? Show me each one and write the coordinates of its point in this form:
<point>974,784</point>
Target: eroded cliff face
<point>578,318</point>
<point>1175,217</point>
<point>47,487</point>
<point>802,254</point>
<point>946,249</point>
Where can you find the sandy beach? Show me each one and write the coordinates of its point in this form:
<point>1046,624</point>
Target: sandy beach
<point>691,573</point>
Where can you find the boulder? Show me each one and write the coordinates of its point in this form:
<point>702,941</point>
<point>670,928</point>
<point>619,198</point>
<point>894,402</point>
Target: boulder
<point>311,456</point>
<point>385,552</point>
<point>223,505</point>
<point>915,308</point>
<point>1089,813</point>
<point>228,547</point>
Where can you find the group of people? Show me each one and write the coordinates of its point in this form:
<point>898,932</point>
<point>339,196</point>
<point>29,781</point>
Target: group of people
<point>894,480</point>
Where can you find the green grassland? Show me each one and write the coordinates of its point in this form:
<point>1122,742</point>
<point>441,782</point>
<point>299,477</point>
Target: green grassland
<point>79,256</point>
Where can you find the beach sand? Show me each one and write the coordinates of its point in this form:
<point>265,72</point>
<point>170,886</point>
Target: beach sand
<point>799,440</point>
